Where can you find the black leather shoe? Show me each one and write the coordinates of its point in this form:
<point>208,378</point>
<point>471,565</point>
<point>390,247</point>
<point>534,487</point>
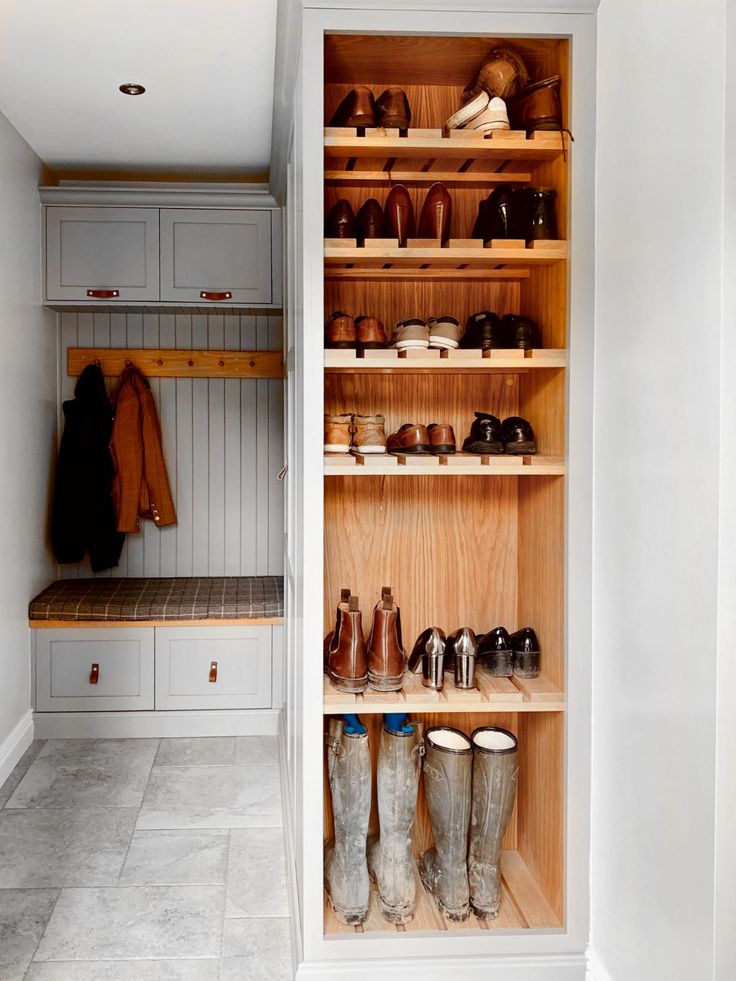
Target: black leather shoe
<point>485,435</point>
<point>496,653</point>
<point>340,221</point>
<point>520,332</point>
<point>526,653</point>
<point>533,213</point>
<point>461,654</point>
<point>369,221</point>
<point>517,436</point>
<point>483,330</point>
<point>495,215</point>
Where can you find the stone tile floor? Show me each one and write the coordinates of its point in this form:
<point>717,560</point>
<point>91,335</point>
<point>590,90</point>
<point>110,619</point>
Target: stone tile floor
<point>144,860</point>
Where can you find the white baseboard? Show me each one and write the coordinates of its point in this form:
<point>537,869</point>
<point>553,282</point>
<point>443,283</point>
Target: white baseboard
<point>565,967</point>
<point>288,811</point>
<point>154,725</point>
<point>596,970</point>
<point>14,745</point>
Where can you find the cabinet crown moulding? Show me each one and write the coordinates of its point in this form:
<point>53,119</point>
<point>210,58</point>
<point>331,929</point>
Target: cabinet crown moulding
<point>471,6</point>
<point>163,195</point>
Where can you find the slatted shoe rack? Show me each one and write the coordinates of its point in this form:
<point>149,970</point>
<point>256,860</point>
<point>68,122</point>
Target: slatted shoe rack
<point>463,540</point>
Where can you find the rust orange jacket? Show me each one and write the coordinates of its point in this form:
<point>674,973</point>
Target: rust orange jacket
<point>140,485</point>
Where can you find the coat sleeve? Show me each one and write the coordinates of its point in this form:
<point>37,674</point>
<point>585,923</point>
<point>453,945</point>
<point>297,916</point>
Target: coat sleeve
<point>127,453</point>
<point>156,501</point>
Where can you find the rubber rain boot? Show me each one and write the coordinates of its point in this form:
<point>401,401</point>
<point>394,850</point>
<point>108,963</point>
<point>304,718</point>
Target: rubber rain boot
<point>346,867</point>
<point>495,773</point>
<point>448,757</point>
<point>390,858</point>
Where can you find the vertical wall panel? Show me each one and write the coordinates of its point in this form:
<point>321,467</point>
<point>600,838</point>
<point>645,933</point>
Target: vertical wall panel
<point>223,443</point>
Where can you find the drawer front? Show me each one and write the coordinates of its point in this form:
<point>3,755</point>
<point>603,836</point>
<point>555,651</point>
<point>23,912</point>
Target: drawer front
<point>213,667</point>
<point>94,669</point>
<point>225,255</point>
<point>111,251</point>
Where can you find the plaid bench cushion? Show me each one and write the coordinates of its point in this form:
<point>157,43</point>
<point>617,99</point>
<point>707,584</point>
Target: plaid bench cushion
<point>206,598</point>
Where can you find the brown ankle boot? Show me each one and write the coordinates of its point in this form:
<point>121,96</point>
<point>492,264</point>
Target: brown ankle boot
<point>345,657</point>
<point>386,655</point>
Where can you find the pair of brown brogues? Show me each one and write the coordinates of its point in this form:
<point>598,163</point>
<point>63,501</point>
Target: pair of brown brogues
<point>359,108</point>
<point>362,334</point>
<point>396,218</point>
<point>351,664</point>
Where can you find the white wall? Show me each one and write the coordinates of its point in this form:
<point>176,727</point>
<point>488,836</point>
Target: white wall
<point>658,335</point>
<point>28,413</point>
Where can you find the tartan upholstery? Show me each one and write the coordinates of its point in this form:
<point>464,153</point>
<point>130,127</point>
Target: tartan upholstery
<point>206,598</point>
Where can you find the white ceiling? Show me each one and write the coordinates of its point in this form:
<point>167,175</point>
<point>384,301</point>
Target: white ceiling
<point>207,66</point>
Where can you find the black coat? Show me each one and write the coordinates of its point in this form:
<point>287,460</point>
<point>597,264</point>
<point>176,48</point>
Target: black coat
<point>83,518</point>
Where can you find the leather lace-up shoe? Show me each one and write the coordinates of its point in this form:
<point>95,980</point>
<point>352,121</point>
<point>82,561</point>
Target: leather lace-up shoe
<point>538,106</point>
<point>517,436</point>
<point>371,333</point>
<point>436,214</point>
<point>503,74</point>
<point>483,330</point>
<point>411,439</point>
<point>441,438</point>
<point>340,221</point>
<point>519,332</point>
<point>369,221</point>
<point>358,108</point>
<point>393,110</point>
<point>398,215</point>
<point>496,653</point>
<point>485,435</point>
<point>526,653</point>
<point>496,215</point>
<point>340,331</point>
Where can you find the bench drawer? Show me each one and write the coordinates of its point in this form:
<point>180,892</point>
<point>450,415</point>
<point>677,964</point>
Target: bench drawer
<point>213,667</point>
<point>94,669</point>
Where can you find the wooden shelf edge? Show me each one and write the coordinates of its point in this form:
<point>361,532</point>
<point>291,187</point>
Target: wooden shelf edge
<point>454,361</point>
<point>435,258</point>
<point>459,464</point>
<point>524,908</point>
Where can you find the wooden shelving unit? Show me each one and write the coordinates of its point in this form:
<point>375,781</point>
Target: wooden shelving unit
<point>481,552</point>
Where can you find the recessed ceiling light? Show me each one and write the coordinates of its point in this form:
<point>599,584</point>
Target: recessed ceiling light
<point>132,88</point>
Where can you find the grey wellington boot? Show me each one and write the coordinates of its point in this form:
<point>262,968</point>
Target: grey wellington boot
<point>346,867</point>
<point>448,757</point>
<point>495,773</point>
<point>390,858</point>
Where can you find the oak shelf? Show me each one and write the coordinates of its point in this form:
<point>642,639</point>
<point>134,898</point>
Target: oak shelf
<point>523,907</point>
<point>471,255</point>
<point>491,695</point>
<point>423,360</point>
<point>458,464</point>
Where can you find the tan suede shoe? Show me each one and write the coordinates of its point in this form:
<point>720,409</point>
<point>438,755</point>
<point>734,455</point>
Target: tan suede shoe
<point>369,435</point>
<point>338,433</point>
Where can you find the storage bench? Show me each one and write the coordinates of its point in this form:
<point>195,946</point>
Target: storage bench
<point>121,645</point>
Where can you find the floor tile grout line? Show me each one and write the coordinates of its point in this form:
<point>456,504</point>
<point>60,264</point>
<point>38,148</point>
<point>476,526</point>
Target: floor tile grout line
<point>43,932</point>
<point>138,814</point>
<point>224,896</point>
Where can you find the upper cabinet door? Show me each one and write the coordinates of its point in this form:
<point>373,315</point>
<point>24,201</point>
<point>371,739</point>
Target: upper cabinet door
<point>108,254</point>
<point>216,256</point>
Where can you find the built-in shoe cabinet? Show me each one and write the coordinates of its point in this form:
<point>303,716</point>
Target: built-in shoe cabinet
<point>462,540</point>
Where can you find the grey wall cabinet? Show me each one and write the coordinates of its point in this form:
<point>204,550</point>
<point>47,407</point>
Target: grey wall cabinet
<point>102,254</point>
<point>215,256</point>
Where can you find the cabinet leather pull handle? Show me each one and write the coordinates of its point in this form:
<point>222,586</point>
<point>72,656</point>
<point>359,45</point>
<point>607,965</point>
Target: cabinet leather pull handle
<point>103,294</point>
<point>213,672</point>
<point>94,674</point>
<point>209,295</point>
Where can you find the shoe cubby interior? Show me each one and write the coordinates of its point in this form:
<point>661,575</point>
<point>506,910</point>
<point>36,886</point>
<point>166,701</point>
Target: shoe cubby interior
<point>532,888</point>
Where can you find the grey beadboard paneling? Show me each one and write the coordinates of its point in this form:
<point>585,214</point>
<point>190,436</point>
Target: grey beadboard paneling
<point>223,443</point>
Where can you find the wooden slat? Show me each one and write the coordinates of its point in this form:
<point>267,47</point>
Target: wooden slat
<point>501,465</point>
<point>420,178</point>
<point>451,361</point>
<point>539,689</point>
<point>432,275</point>
<point>179,363</point>
<point>528,897</point>
<point>496,147</point>
<point>445,258</point>
<point>498,689</point>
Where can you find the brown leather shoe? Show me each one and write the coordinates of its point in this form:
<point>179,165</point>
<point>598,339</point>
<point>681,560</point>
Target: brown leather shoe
<point>369,221</point>
<point>369,435</point>
<point>538,107</point>
<point>393,110</point>
<point>441,438</point>
<point>340,221</point>
<point>358,108</point>
<point>436,215</point>
<point>398,215</point>
<point>503,74</point>
<point>371,333</point>
<point>346,662</point>
<point>410,439</point>
<point>340,331</point>
<point>386,654</point>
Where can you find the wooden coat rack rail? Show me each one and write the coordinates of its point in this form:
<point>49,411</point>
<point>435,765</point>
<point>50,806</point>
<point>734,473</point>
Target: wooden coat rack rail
<point>178,363</point>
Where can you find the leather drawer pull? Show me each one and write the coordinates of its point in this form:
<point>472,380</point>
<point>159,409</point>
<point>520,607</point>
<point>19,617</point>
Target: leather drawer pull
<point>209,295</point>
<point>213,672</point>
<point>94,674</point>
<point>104,294</point>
